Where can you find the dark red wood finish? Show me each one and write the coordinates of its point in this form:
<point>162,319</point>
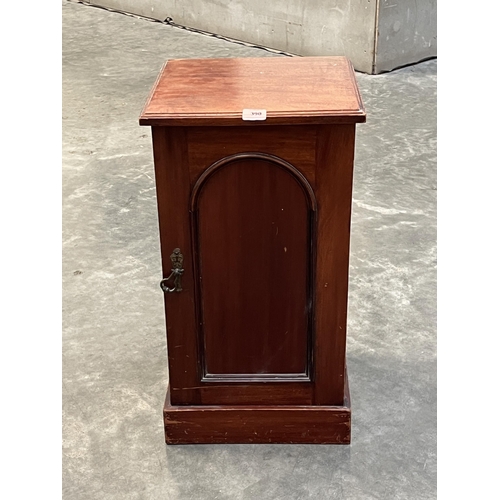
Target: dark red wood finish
<point>173,191</point>
<point>257,337</point>
<point>258,424</point>
<point>334,170</point>
<point>252,233</point>
<point>213,92</point>
<point>329,169</point>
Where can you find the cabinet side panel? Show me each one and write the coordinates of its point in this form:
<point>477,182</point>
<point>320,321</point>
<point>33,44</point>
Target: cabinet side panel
<point>334,169</point>
<point>173,190</point>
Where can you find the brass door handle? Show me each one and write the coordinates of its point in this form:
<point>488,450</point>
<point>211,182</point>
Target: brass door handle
<point>177,271</point>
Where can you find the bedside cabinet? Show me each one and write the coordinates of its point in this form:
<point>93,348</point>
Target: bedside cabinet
<point>253,162</point>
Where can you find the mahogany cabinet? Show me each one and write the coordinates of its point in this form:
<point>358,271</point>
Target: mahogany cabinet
<point>253,163</point>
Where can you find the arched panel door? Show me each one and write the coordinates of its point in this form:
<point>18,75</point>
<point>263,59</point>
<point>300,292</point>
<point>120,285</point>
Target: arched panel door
<point>253,219</point>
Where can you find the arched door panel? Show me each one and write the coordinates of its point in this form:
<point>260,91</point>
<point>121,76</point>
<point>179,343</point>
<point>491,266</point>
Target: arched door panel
<point>252,224</point>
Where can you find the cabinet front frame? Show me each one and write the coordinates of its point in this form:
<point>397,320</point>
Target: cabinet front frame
<point>324,155</point>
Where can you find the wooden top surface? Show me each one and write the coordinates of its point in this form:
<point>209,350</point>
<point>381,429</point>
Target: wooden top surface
<point>292,90</point>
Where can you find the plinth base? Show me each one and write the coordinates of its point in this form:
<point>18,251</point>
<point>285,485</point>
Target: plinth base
<point>258,424</point>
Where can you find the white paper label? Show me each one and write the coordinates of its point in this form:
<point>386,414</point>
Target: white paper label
<point>254,114</point>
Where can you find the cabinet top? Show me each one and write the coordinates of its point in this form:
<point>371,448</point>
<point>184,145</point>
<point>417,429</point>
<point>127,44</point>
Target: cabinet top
<point>254,91</point>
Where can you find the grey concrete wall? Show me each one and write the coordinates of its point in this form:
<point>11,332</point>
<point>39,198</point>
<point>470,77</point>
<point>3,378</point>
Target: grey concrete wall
<point>406,28</point>
<point>154,9</point>
<point>319,27</point>
<point>407,33</point>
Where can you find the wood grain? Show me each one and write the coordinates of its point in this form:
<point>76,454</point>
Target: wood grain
<point>333,174</point>
<point>296,145</point>
<point>334,169</point>
<point>257,424</point>
<point>254,393</point>
<point>215,91</point>
<point>172,192</point>
<point>184,358</point>
<point>253,259</point>
<point>257,338</point>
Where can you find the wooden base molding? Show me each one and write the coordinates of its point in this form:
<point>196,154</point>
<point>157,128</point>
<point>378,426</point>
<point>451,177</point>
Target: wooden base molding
<point>258,424</point>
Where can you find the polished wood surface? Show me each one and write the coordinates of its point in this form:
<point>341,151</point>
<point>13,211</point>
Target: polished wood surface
<point>334,172</point>
<point>296,145</point>
<point>228,343</point>
<point>260,423</point>
<point>257,393</point>
<point>212,92</point>
<point>173,191</point>
<point>253,236</point>
<point>184,340</point>
<point>261,212</point>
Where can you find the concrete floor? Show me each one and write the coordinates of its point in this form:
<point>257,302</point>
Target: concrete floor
<point>114,359</point>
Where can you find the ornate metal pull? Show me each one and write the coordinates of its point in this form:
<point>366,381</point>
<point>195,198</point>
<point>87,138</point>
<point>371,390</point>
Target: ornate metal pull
<point>177,271</point>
